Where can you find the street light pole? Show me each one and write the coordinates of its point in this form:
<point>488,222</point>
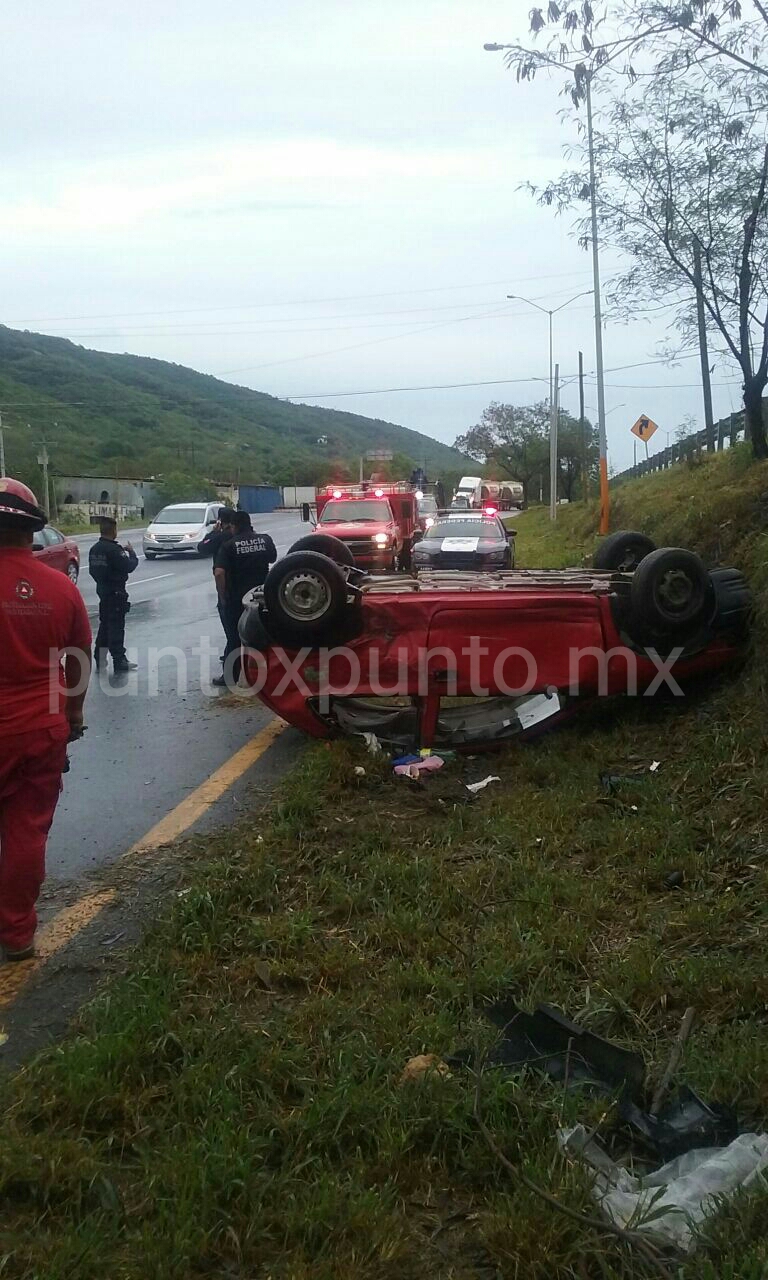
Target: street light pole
<point>553,381</point>
<point>494,47</point>
<point>605,498</point>
<point>550,312</point>
<point>2,447</point>
<point>553,425</point>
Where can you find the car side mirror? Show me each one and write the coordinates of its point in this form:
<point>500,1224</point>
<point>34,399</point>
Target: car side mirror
<point>306,515</point>
<point>511,533</point>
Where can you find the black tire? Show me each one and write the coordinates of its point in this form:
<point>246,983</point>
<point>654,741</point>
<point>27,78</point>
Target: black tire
<point>671,594</point>
<point>326,545</point>
<point>305,596</point>
<point>150,555</point>
<point>622,552</point>
<point>733,602</point>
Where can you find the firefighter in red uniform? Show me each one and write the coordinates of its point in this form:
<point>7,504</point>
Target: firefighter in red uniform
<point>42,691</point>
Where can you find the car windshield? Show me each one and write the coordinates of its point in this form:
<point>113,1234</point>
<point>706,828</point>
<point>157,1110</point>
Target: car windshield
<point>180,515</point>
<point>465,527</point>
<point>427,506</point>
<point>343,512</point>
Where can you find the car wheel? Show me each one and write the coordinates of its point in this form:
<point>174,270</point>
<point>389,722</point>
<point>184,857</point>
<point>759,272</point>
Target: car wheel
<point>305,595</point>
<point>733,602</point>
<point>150,555</point>
<point>622,552</point>
<point>73,571</point>
<point>326,545</point>
<point>671,594</point>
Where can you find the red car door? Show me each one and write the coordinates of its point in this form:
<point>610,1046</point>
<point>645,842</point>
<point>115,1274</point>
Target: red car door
<point>50,547</point>
<point>56,549</point>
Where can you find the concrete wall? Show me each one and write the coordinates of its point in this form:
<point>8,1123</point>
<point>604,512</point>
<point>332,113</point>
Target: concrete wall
<point>90,512</point>
<point>136,494</point>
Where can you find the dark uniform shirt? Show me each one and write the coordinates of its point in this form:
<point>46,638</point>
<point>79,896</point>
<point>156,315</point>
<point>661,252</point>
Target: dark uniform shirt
<point>213,542</point>
<point>245,558</point>
<point>110,565</point>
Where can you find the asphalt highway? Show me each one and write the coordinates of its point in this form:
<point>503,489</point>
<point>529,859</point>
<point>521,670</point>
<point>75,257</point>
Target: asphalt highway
<point>155,735</point>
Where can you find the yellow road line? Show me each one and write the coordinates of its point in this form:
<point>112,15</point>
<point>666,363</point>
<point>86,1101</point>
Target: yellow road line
<point>186,814</point>
<point>51,938</point>
<point>72,920</point>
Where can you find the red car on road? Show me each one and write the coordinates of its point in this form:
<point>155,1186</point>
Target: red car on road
<point>455,659</point>
<point>58,551</point>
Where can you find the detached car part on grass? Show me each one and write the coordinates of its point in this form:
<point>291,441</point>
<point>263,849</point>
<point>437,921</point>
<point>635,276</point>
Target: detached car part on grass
<point>461,659</point>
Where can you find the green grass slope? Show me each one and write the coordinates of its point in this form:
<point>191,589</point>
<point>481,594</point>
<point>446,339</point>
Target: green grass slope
<point>231,1106</point>
<point>146,417</point>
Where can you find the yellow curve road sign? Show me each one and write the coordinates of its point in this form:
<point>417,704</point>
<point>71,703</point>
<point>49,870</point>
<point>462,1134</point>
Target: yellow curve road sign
<point>644,428</point>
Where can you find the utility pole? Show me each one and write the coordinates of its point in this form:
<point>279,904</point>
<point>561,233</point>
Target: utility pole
<point>553,424</point>
<point>605,498</point>
<point>709,418</point>
<point>43,460</point>
<point>2,447</point>
<point>583,426</point>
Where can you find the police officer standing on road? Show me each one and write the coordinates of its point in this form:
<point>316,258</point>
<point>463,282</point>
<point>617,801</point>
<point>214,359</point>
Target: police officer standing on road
<point>221,531</point>
<point>211,544</point>
<point>241,564</point>
<point>110,566</point>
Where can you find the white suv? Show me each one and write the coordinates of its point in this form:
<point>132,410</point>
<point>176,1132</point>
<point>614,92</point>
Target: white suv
<point>180,527</point>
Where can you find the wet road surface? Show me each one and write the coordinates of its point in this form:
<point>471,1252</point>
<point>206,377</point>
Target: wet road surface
<point>155,735</point>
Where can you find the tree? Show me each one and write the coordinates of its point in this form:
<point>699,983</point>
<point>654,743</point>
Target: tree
<point>683,164</point>
<point>511,438</point>
<point>515,440</point>
<point>573,451</point>
<point>660,36</point>
<point>183,486</point>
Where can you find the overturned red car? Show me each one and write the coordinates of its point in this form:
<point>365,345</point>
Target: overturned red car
<point>447,658</point>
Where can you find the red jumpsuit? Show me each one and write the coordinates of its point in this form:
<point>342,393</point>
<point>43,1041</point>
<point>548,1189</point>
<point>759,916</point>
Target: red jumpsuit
<point>41,613</point>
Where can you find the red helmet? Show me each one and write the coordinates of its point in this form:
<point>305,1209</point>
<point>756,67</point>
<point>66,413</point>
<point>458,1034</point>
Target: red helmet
<point>18,506</point>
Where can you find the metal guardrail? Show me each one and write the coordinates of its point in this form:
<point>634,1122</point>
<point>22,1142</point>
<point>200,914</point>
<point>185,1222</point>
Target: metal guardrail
<point>731,429</point>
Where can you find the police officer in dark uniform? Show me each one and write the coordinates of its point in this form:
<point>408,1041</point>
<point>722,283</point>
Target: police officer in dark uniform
<point>241,564</point>
<point>221,531</point>
<point>110,566</point>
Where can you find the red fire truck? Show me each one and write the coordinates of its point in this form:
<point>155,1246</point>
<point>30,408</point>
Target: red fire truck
<point>374,520</point>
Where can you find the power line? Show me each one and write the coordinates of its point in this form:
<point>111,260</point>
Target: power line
<point>289,333</point>
<point>355,346</point>
<point>173,330</point>
<point>306,302</point>
<point>448,386</point>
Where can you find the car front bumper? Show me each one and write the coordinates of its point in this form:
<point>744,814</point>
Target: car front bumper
<point>165,548</point>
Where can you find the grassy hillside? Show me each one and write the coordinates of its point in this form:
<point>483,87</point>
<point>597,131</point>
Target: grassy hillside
<point>105,413</point>
<point>232,1106</point>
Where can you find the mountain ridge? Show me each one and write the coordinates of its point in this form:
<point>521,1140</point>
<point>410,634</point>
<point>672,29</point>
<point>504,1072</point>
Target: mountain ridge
<point>107,412</point>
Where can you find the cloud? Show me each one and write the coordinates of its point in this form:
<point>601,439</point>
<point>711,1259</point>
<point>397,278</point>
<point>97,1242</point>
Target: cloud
<point>260,176</point>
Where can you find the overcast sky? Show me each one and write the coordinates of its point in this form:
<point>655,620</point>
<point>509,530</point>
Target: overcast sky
<point>307,198</point>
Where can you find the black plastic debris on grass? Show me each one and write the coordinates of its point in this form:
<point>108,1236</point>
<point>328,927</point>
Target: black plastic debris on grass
<point>683,1124</point>
<point>548,1042</point>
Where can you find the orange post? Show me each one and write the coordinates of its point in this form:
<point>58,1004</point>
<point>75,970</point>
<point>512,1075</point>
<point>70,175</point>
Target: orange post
<point>605,497</point>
